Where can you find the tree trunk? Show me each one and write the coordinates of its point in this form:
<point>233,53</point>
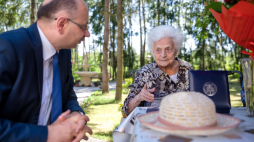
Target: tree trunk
<point>100,57</point>
<point>32,12</point>
<point>140,30</point>
<point>144,20</point>
<point>113,42</point>
<point>118,96</point>
<point>129,43</point>
<point>158,10</point>
<point>113,53</point>
<point>129,54</point>
<point>105,78</point>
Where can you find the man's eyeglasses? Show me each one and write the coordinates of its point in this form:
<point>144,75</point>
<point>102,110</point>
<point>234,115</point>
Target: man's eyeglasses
<point>82,27</point>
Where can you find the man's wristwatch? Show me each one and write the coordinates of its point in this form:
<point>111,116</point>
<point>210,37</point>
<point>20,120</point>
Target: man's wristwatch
<point>81,112</point>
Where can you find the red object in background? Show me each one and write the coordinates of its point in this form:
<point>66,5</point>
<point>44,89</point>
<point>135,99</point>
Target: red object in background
<point>238,24</point>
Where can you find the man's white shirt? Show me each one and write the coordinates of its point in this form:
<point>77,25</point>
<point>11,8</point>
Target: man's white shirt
<point>46,99</point>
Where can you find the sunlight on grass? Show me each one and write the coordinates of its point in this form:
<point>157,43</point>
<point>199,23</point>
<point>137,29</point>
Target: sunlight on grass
<point>103,119</point>
<point>104,115</point>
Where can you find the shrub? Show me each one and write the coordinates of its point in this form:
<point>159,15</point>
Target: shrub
<point>75,76</point>
<point>120,107</point>
<point>129,73</point>
<point>87,102</point>
<point>97,83</point>
<point>128,81</point>
<point>125,89</point>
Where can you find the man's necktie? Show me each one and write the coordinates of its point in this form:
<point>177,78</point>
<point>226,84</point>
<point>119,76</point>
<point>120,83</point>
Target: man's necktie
<point>56,91</point>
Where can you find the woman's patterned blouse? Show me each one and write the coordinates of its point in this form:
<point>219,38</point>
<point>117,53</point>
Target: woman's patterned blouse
<point>153,76</point>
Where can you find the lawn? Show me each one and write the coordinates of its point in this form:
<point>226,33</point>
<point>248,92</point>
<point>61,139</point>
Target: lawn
<point>105,115</point>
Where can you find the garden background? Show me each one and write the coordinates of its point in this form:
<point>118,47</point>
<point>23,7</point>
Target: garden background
<point>118,45</point>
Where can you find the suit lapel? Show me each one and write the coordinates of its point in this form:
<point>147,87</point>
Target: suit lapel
<point>36,40</point>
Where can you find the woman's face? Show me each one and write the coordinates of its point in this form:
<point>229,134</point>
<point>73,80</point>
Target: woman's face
<point>164,52</point>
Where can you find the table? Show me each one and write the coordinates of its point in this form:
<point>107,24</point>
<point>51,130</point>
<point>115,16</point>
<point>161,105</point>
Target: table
<point>131,130</point>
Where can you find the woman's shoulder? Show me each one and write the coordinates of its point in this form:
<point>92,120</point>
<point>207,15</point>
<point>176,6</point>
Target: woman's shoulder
<point>147,68</point>
<point>185,64</point>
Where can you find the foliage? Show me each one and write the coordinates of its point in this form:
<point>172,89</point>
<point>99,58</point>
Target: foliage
<point>95,64</point>
<point>129,73</point>
<point>128,81</point>
<point>96,7</point>
<point>120,107</point>
<point>211,48</point>
<point>125,89</point>
<point>129,57</point>
<point>97,83</point>
<point>215,6</point>
<point>9,12</point>
<point>97,98</point>
<point>15,13</point>
<point>87,102</point>
<point>75,76</point>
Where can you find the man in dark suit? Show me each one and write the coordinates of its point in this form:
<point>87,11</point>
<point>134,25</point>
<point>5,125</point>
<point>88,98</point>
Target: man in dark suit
<point>36,83</point>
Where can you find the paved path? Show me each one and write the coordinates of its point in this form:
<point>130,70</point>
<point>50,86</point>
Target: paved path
<point>84,92</point>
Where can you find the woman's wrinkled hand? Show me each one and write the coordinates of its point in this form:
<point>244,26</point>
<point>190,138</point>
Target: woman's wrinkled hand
<point>146,94</point>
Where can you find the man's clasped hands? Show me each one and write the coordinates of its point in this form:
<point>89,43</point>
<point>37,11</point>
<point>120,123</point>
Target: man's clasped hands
<point>69,127</point>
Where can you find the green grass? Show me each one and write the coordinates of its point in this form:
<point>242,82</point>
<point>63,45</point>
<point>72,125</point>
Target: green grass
<point>104,114</point>
<point>97,98</point>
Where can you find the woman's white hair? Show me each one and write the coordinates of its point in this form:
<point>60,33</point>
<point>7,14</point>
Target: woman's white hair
<point>163,31</point>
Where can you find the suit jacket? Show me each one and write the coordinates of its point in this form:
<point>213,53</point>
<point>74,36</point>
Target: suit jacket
<point>21,77</point>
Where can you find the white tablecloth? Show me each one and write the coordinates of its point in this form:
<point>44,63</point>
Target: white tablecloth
<point>131,130</point>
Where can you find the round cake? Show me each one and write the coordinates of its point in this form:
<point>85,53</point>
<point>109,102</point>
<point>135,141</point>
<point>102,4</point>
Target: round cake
<point>188,109</point>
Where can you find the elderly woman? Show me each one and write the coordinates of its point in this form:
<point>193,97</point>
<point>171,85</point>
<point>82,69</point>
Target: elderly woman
<point>167,74</point>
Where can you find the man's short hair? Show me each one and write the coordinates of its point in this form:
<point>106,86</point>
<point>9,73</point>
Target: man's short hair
<point>47,10</point>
